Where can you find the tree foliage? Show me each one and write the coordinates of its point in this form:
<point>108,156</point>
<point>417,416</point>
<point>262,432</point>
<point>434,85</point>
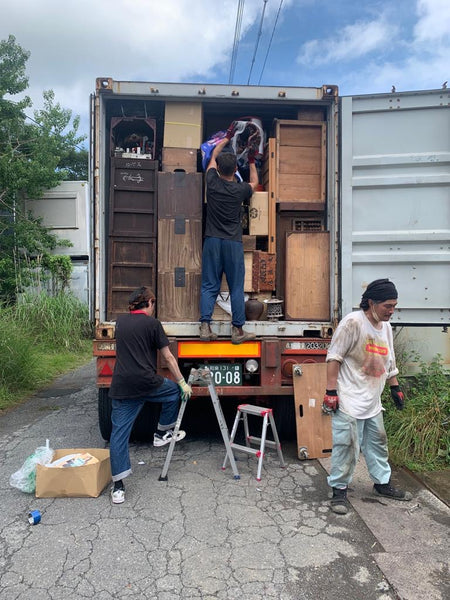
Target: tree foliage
<point>35,154</point>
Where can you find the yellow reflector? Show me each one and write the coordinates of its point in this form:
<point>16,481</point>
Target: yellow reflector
<point>218,350</point>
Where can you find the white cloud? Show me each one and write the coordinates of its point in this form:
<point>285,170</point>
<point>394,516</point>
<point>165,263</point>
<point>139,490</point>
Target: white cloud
<point>73,42</point>
<point>434,20</point>
<point>355,41</point>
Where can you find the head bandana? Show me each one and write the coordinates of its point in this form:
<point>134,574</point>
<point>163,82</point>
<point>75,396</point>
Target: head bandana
<point>380,290</point>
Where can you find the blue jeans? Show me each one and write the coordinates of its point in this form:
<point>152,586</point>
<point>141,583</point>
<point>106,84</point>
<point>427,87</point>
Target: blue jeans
<point>219,257</point>
<point>350,436</point>
<point>124,413</point>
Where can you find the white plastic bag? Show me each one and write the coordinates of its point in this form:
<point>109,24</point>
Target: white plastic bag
<point>25,478</point>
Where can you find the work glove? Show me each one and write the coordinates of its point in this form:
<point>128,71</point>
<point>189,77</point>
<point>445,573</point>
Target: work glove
<point>330,401</point>
<point>398,397</point>
<point>251,156</point>
<point>231,130</point>
<point>186,390</point>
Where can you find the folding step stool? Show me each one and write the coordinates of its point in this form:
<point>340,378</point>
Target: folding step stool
<point>267,415</point>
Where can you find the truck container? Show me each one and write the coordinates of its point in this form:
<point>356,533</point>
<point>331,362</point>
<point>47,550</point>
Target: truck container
<point>351,190</point>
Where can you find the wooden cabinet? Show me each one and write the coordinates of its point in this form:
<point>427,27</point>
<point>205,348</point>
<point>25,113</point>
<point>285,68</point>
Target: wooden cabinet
<point>132,227</point>
<point>301,162</point>
<point>179,245</point>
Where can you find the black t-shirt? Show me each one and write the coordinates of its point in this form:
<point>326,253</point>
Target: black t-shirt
<point>224,208</point>
<point>138,338</point>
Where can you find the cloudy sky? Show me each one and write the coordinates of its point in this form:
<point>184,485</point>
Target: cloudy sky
<point>363,46</point>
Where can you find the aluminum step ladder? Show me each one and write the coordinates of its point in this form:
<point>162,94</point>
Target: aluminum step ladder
<point>202,376</point>
<point>267,416</point>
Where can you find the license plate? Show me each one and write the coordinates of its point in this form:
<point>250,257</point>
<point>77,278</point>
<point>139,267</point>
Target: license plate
<point>225,374</point>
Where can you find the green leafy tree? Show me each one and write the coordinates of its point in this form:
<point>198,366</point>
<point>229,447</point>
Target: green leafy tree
<point>34,156</point>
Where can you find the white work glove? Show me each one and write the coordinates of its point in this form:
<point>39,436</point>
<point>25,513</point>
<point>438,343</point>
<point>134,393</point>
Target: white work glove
<point>186,390</point>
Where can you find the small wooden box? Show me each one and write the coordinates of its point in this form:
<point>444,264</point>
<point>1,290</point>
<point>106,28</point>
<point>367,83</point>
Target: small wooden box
<point>259,214</point>
<point>179,159</point>
<point>260,271</point>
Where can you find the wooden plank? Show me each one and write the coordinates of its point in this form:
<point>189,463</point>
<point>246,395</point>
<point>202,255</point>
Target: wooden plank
<point>272,189</point>
<point>180,193</point>
<point>307,276</point>
<point>313,426</point>
<point>299,133</point>
<point>301,160</point>
<point>300,187</point>
<point>178,302</point>
<point>179,249</point>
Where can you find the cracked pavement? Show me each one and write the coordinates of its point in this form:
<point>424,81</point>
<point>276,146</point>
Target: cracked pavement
<point>202,534</point>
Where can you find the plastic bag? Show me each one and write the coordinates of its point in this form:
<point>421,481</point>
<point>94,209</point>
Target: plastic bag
<point>25,478</point>
<point>247,127</point>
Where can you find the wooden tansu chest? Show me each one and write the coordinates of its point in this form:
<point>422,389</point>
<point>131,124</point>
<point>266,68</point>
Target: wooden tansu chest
<point>179,245</point>
<point>133,227</point>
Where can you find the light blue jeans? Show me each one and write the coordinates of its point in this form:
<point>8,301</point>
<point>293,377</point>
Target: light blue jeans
<point>350,436</point>
<point>124,413</point>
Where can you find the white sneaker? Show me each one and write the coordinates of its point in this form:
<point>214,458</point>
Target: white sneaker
<point>162,440</point>
<point>117,496</point>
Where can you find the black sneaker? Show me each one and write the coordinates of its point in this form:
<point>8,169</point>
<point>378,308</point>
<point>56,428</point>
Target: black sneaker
<point>389,491</point>
<point>339,503</point>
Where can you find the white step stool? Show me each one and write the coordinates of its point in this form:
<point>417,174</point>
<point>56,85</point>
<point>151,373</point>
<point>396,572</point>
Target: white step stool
<point>267,415</point>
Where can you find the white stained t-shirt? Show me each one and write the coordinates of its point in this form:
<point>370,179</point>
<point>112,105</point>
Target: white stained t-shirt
<point>367,359</point>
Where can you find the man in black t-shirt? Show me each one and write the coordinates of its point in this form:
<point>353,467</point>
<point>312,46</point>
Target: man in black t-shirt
<point>135,380</point>
<point>223,251</point>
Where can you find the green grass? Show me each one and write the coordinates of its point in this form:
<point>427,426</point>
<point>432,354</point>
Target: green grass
<point>40,338</point>
<point>419,436</point>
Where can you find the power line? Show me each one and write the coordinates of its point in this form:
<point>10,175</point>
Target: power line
<point>270,42</point>
<point>237,34</point>
<point>257,40</point>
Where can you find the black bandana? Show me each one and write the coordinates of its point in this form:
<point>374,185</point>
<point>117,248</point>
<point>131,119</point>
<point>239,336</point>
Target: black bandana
<point>380,290</point>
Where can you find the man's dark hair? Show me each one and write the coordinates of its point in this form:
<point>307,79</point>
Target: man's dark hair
<point>226,163</point>
<point>140,298</point>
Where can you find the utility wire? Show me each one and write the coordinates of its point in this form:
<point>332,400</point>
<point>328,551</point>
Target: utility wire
<point>237,34</point>
<point>270,42</point>
<point>257,40</point>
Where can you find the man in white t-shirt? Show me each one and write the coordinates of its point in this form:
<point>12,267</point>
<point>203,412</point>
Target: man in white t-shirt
<point>360,360</point>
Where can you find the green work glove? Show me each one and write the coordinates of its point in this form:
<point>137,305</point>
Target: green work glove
<point>186,390</point>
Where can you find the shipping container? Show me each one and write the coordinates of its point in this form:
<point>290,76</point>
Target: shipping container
<point>351,189</point>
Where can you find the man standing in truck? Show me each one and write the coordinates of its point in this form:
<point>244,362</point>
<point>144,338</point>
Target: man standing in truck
<point>360,360</point>
<point>223,250</point>
<point>135,381</point>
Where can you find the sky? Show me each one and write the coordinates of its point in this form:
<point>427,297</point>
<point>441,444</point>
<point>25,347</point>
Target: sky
<point>363,47</point>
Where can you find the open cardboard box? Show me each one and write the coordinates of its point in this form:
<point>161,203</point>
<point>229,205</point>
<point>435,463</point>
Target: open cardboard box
<point>87,481</point>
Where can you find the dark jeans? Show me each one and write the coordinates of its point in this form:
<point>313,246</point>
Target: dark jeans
<point>124,413</point>
<point>219,257</point>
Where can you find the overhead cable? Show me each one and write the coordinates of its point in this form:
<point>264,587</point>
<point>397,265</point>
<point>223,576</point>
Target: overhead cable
<point>270,42</point>
<point>257,40</point>
<point>237,35</point>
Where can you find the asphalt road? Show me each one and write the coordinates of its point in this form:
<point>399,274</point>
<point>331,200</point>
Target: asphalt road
<point>203,534</point>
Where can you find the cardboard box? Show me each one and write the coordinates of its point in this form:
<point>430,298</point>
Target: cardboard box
<point>259,214</point>
<point>183,125</point>
<point>179,159</point>
<point>87,481</point>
